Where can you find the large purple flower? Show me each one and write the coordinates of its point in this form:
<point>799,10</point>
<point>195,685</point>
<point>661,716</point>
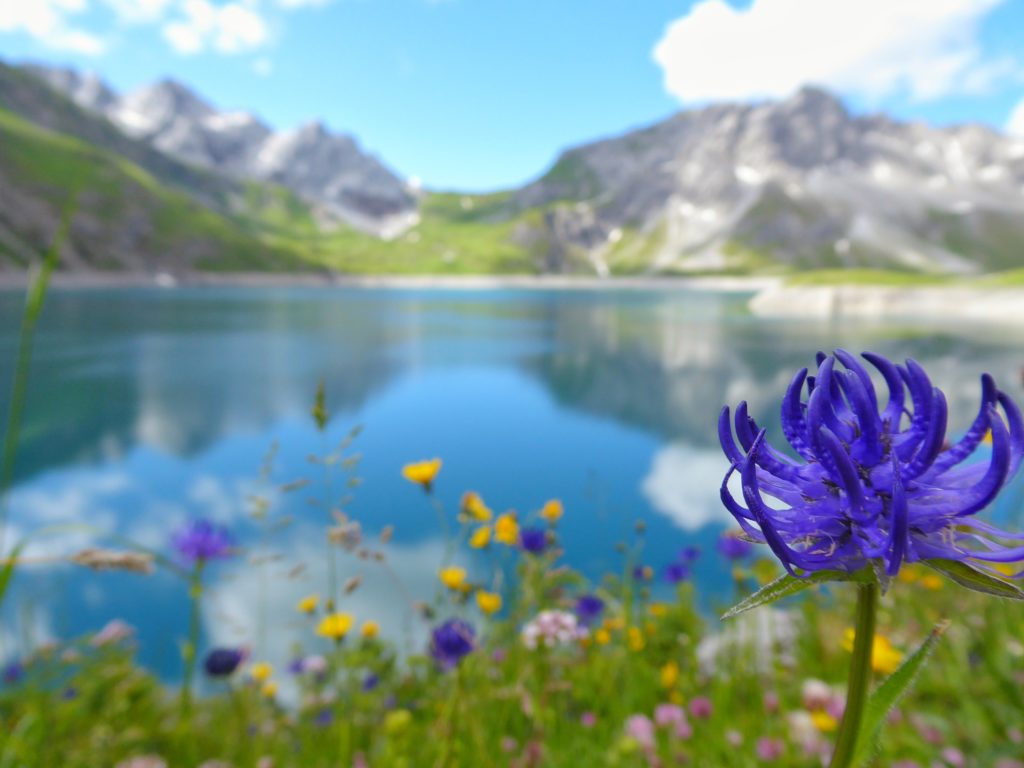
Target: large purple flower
<point>450,641</point>
<point>874,484</point>
<point>201,540</point>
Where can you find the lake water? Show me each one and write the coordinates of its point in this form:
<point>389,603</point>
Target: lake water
<point>149,407</point>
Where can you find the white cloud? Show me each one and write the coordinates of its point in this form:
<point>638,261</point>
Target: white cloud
<point>230,28</point>
<point>683,484</point>
<point>136,11</point>
<point>872,48</point>
<point>1015,124</point>
<point>47,22</point>
<point>302,3</point>
<point>237,609</point>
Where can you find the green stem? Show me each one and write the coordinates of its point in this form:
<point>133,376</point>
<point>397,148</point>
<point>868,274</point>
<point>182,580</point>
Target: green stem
<point>860,676</point>
<point>19,389</point>
<point>192,644</point>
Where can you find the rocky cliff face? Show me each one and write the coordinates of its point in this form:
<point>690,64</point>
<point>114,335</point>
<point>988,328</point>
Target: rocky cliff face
<point>800,182</point>
<point>793,184</point>
<point>328,169</point>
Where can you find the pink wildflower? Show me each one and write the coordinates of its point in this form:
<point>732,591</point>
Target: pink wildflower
<point>701,707</point>
<point>641,730</point>
<point>769,749</point>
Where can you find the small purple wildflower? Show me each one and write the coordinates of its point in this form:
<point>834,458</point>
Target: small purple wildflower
<point>221,662</point>
<point>643,573</point>
<point>732,547</point>
<point>370,682</point>
<point>688,554</point>
<point>12,673</point>
<point>876,484</point>
<point>533,540</point>
<point>589,609</point>
<point>201,540</point>
<point>69,693</point>
<point>676,572</point>
<point>451,641</point>
<point>324,718</point>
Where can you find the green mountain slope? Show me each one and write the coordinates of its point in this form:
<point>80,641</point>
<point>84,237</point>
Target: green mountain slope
<point>128,219</point>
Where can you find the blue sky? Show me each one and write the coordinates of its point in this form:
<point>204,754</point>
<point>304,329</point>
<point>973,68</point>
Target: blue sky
<point>482,94</point>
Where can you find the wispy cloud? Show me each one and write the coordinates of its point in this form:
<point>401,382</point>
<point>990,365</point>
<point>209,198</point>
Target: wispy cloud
<point>200,25</point>
<point>188,26</point>
<point>50,22</point>
<point>872,48</point>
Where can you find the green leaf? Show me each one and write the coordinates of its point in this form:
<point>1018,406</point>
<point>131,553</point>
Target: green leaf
<point>888,694</point>
<point>7,572</point>
<point>787,585</point>
<point>966,576</point>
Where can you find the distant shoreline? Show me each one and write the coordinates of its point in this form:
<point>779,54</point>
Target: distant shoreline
<point>770,297</point>
<point>932,302</point>
<point>92,280</point>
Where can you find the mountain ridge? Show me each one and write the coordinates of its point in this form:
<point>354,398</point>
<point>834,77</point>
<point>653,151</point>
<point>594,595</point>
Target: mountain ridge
<point>338,176</point>
<point>769,188</point>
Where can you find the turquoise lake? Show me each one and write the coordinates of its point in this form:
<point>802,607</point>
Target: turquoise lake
<point>150,407</point>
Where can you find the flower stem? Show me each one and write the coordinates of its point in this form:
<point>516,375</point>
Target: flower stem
<point>860,677</point>
<point>192,644</point>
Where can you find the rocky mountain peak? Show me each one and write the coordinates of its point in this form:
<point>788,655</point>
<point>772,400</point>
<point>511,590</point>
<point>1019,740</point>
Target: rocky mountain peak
<point>327,168</point>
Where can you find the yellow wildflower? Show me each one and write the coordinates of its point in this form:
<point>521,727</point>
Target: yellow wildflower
<point>1007,569</point>
<point>261,671</point>
<point>454,578</point>
<point>823,721</point>
<point>931,581</point>
<point>552,511</point>
<point>909,574</point>
<point>614,622</point>
<point>506,529</point>
<point>885,659</point>
<point>635,639</point>
<point>422,472</point>
<point>488,602</point>
<point>473,505</point>
<point>269,689</point>
<point>602,637</point>
<point>308,604</point>
<point>370,629</point>
<point>658,610</point>
<point>335,625</point>
<point>397,720</point>
<point>669,675</point>
<point>481,537</point>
